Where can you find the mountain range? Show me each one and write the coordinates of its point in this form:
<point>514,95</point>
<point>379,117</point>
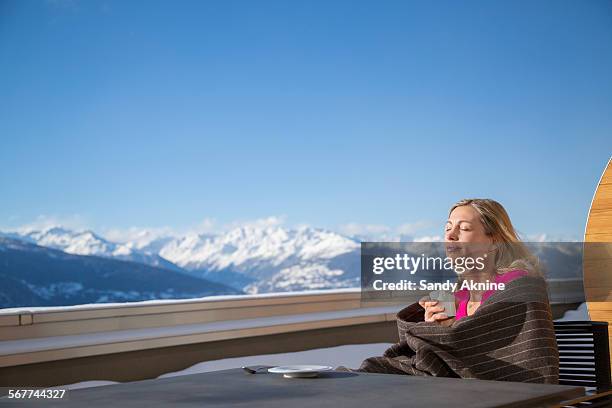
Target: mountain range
<point>34,275</point>
<point>247,259</point>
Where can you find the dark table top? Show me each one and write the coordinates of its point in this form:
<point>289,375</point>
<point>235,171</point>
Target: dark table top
<point>331,389</point>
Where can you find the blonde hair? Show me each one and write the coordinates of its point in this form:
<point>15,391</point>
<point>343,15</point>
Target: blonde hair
<point>511,252</point>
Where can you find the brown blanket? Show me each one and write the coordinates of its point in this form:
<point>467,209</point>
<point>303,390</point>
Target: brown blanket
<point>510,338</point>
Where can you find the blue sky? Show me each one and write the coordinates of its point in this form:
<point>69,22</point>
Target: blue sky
<point>327,113</point>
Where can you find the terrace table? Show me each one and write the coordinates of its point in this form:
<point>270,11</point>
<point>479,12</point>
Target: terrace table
<point>335,389</point>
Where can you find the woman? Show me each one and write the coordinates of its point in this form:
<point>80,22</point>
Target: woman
<point>504,334</point>
<point>482,226</point>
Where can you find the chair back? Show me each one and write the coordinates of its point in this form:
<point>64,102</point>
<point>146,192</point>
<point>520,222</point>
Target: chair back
<point>584,354</point>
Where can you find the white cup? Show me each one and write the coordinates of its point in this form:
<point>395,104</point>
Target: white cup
<point>447,300</point>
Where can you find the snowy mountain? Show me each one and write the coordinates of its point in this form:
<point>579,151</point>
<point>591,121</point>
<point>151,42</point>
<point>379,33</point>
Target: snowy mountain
<point>252,258</point>
<point>38,276</point>
<point>269,258</point>
<point>248,248</point>
<point>88,243</point>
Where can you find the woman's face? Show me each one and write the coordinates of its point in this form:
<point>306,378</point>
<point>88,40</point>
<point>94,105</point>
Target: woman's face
<point>464,234</point>
<point>464,225</point>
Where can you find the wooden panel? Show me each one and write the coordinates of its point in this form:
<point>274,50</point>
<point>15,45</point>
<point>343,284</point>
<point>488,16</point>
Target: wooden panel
<point>607,177</point>
<point>598,237</point>
<point>597,251</point>
<point>604,198</point>
<point>600,222</point>
<point>598,294</point>
<point>600,307</point>
<point>597,314</point>
<point>593,269</point>
<point>598,259</point>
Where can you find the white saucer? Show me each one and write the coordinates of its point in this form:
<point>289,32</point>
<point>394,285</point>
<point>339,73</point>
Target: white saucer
<point>299,371</point>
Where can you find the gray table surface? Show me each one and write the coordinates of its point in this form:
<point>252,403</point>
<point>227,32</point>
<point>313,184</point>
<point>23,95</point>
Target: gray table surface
<point>331,389</point>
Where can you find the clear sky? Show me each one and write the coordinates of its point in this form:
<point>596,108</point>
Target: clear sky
<point>371,113</point>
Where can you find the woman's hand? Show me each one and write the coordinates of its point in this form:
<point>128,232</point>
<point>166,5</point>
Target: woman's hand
<point>434,312</point>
